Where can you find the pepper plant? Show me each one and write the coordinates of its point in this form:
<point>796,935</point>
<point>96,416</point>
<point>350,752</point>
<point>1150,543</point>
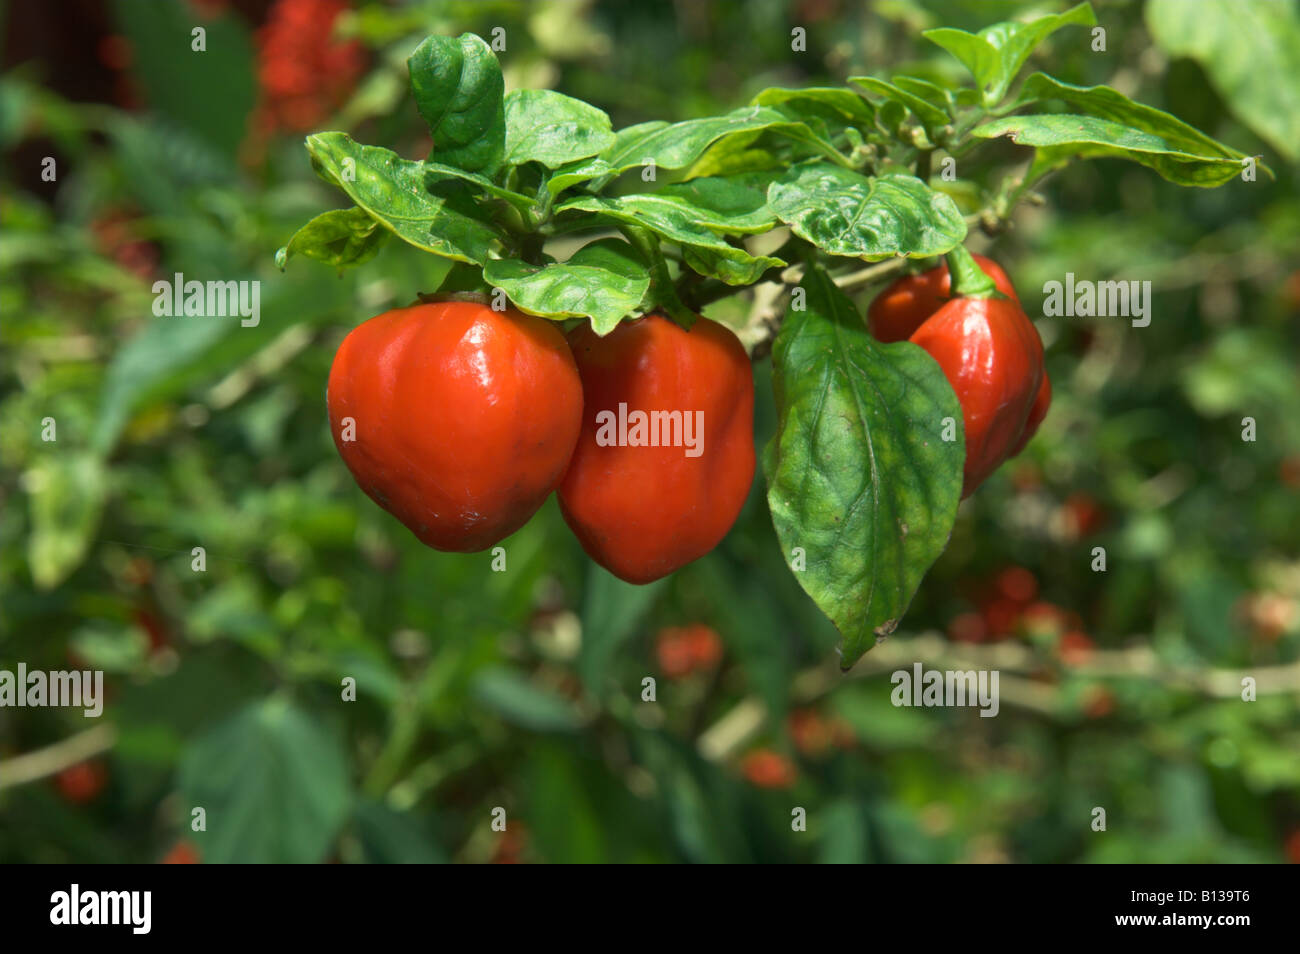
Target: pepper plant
<point>862,485</point>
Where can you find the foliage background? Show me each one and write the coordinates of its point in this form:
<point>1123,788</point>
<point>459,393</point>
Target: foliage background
<point>522,689</point>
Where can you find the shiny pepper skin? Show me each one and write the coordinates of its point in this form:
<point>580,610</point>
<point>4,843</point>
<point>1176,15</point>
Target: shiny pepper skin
<point>992,356</point>
<point>465,417</point>
<point>906,302</point>
<point>644,511</point>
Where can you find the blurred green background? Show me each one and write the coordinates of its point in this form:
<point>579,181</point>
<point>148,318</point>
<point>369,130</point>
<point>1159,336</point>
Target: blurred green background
<point>522,690</point>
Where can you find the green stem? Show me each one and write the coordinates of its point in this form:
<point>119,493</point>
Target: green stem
<point>968,279</point>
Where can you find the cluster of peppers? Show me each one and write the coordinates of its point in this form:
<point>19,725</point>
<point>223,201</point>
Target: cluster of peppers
<point>461,420</point>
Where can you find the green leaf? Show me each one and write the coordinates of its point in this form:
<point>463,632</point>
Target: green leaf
<point>460,93</point>
<point>858,476</point>
<point>1250,50</point>
<point>611,610</point>
<point>575,173</point>
<point>997,53</point>
<point>732,205</point>
<point>1106,103</point>
<point>553,129</point>
<point>342,238</point>
<point>845,213</point>
<point>677,220</point>
<point>68,490</point>
<point>1059,136</point>
<point>437,172</point>
<point>274,785</point>
<point>517,700</point>
<point>822,102</point>
<point>604,281</point>
<point>931,116</point>
<point>679,145</point>
<point>435,217</point>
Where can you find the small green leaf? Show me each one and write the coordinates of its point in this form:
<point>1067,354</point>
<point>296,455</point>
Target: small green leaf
<point>930,115</point>
<point>553,129</point>
<point>604,280</point>
<point>460,93</point>
<point>845,213</point>
<point>997,53</point>
<point>858,474</point>
<point>393,190</point>
<point>342,238</point>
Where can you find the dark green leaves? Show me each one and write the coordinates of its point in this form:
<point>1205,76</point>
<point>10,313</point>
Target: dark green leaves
<point>273,783</point>
<point>394,191</point>
<point>995,54</point>
<point>551,128</point>
<point>858,476</point>
<point>605,281</point>
<point>844,213</point>
<point>340,238</point>
<point>460,93</point>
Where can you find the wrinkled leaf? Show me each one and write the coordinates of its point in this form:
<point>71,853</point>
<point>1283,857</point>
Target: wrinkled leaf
<point>553,129</point>
<point>460,93</point>
<point>845,213</point>
<point>342,238</point>
<point>858,474</point>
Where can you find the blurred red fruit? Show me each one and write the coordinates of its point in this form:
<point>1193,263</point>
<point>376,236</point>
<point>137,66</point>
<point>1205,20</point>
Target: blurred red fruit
<point>674,652</point>
<point>181,853</point>
<point>1082,515</point>
<point>1075,647</point>
<point>1017,584</point>
<point>705,645</point>
<point>812,735</point>
<point>765,768</point>
<point>1000,617</point>
<point>967,628</point>
<point>82,783</point>
<point>1043,617</point>
<point>305,73</point>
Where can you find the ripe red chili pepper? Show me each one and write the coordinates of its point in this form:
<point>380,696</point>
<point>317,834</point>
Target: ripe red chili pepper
<point>463,419</point>
<point>643,508</point>
<point>906,302</point>
<point>993,358</point>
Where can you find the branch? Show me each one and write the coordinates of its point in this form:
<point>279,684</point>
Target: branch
<point>53,759</point>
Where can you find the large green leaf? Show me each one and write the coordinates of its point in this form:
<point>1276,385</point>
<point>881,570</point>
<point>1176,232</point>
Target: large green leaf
<point>676,219</point>
<point>1250,49</point>
<point>604,280</point>
<point>437,217</point>
<point>732,205</point>
<point>858,475</point>
<point>342,238</point>
<point>274,785</point>
<point>995,54</point>
<point>1062,135</point>
<point>460,93</point>
<point>845,213</point>
<point>553,129</point>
